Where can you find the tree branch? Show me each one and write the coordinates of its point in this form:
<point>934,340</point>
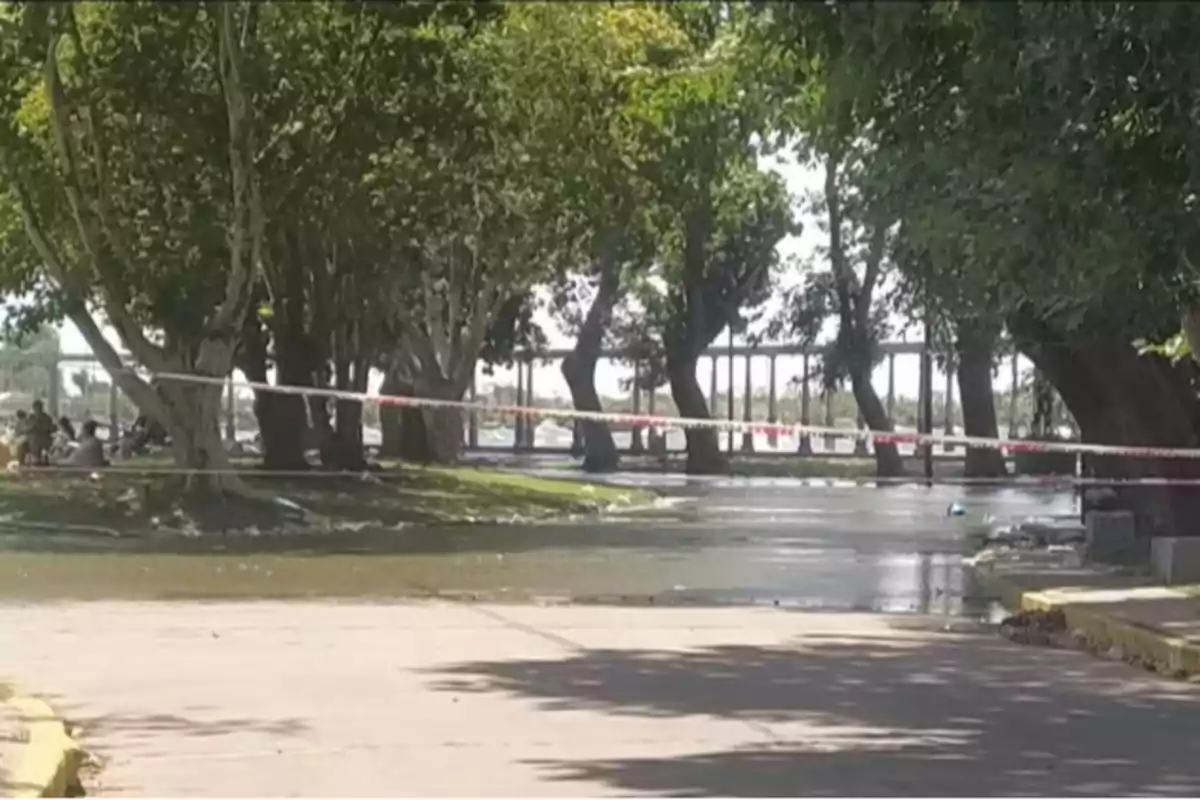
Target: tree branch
<point>111,291</point>
<point>247,219</point>
<point>842,276</point>
<point>871,276</point>
<point>133,386</point>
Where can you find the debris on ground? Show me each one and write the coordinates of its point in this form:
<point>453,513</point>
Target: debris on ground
<point>1041,540</point>
<point>1049,629</point>
<point>1037,533</point>
<point>1046,628</point>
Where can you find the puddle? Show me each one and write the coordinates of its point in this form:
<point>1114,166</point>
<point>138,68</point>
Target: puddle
<point>734,541</point>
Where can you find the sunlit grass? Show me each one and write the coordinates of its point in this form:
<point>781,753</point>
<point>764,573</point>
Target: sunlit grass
<point>117,503</point>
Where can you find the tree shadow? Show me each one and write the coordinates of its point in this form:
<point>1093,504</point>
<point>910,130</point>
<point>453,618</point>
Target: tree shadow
<point>920,714</point>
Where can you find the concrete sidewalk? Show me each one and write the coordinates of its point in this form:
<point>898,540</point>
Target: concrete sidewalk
<point>1154,624</point>
<point>436,699</point>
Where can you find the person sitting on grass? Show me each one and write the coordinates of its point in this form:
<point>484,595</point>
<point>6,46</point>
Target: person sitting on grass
<point>64,440</point>
<point>66,429</point>
<point>144,433</point>
<point>20,436</point>
<point>40,435</point>
<point>89,452</point>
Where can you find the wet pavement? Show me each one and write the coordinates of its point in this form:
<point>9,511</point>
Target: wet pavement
<point>808,544</point>
<point>374,689</point>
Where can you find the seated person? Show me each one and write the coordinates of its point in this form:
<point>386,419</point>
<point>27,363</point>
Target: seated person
<point>64,440</point>
<point>90,450</point>
<point>20,436</point>
<point>39,434</point>
<point>144,433</point>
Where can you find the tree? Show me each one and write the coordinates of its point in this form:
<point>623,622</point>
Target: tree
<point>475,219</point>
<point>593,53</point>
<point>857,256</point>
<point>513,329</point>
<point>328,242</point>
<point>966,335</point>
<point>975,366</point>
<point>129,142</point>
<point>720,217</point>
<point>1039,157</point>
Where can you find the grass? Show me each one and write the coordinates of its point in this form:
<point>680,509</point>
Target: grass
<point>119,503</point>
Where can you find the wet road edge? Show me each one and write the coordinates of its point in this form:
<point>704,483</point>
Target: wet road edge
<point>1102,631</point>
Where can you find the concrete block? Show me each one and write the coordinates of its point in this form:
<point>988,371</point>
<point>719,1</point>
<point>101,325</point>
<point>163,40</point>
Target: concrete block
<point>1112,538</point>
<point>1175,559</point>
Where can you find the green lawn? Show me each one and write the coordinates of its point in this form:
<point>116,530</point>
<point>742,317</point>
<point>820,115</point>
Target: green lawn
<point>118,503</point>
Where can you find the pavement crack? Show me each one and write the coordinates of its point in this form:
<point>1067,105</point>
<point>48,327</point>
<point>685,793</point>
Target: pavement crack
<point>763,729</point>
<point>496,616</point>
<point>515,625</point>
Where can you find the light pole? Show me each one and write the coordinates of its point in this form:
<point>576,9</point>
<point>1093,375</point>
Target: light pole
<point>927,402</point>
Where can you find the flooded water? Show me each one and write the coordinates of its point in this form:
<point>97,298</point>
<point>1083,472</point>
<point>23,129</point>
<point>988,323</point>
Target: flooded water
<point>717,541</point>
<point>551,436</point>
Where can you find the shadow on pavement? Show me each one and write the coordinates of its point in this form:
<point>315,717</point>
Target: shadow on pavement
<point>931,715</point>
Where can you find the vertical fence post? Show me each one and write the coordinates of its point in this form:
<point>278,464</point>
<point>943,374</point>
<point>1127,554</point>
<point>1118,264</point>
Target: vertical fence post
<point>636,446</point>
<point>891,393</point>
<point>747,410</point>
<point>519,419</point>
<point>948,411</point>
<point>1012,398</point>
<point>805,445</point>
<point>830,440</point>
<point>473,418</point>
<point>772,410</point>
<point>531,422</point>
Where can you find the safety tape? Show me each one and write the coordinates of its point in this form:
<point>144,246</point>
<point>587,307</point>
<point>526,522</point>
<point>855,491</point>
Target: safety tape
<point>1010,481</point>
<point>662,424</point>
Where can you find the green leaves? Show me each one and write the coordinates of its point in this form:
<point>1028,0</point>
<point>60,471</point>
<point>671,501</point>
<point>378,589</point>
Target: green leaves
<point>1174,348</point>
<point>1038,154</point>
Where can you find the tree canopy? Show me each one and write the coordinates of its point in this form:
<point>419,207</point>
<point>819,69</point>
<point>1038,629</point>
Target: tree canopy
<point>331,188</point>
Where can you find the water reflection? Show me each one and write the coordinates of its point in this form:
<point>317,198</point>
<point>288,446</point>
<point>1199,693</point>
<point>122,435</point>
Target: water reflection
<point>733,540</point>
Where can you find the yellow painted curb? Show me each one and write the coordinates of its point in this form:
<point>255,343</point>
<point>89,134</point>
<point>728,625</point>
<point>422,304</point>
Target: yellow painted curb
<point>47,763</point>
<point>1169,654</point>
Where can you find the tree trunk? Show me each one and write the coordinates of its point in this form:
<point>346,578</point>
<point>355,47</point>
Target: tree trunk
<point>283,424</point>
<point>599,449</point>
<point>433,435</point>
<point>888,463</point>
<point>346,448</point>
<point>1119,397</point>
<point>390,417</point>
<point>282,418</point>
<point>704,456</point>
<point>192,418</point>
<point>579,370</point>
<point>978,405</point>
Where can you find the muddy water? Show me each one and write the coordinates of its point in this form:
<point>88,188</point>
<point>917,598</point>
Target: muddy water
<point>727,541</point>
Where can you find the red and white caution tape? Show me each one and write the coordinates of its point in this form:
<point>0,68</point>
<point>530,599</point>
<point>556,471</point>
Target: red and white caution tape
<point>663,424</point>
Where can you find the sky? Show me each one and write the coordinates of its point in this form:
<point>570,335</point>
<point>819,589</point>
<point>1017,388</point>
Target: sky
<point>548,380</point>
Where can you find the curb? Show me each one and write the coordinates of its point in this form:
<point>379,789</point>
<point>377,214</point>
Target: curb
<point>1168,654</point>
<point>47,762</point>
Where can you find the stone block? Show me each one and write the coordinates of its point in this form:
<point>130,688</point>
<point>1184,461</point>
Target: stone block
<point>1112,538</point>
<point>1175,559</point>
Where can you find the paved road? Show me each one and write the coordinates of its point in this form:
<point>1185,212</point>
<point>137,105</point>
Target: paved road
<point>250,699</point>
<point>351,696</point>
